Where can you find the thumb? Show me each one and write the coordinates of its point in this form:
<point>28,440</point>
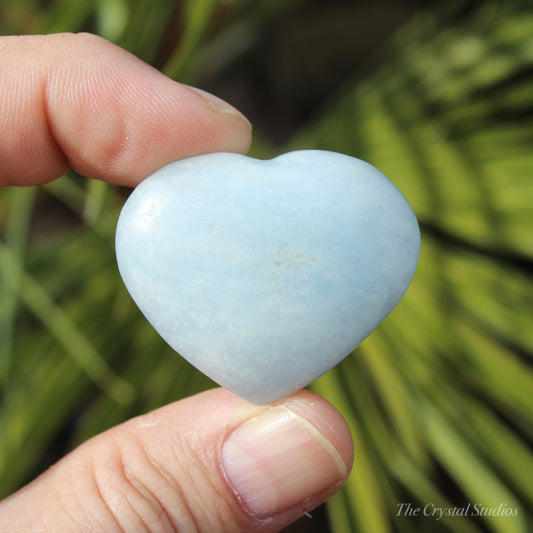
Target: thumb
<point>209,463</point>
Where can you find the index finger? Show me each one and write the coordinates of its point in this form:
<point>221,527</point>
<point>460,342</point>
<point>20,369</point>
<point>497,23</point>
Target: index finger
<point>78,101</point>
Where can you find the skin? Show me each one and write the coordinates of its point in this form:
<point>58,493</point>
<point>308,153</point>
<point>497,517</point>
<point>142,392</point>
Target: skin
<point>77,101</point>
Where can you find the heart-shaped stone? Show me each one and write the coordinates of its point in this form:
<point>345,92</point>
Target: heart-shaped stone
<point>266,274</point>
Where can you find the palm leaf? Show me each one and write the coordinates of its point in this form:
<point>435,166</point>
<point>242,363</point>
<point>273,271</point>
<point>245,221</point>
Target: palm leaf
<point>448,375</point>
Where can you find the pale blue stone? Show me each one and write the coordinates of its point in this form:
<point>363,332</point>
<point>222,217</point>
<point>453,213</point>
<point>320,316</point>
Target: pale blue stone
<point>266,274</point>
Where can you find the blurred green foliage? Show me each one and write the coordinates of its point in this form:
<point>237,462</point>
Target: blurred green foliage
<point>439,397</point>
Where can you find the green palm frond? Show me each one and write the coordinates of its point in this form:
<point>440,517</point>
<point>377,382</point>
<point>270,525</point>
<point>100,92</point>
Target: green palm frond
<point>447,381</point>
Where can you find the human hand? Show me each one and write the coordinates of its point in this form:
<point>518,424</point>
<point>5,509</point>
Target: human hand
<point>212,462</point>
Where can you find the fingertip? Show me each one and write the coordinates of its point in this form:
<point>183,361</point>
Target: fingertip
<point>210,462</point>
<point>327,420</point>
<point>79,101</point>
<point>221,105</point>
<point>289,458</point>
<point>124,119</point>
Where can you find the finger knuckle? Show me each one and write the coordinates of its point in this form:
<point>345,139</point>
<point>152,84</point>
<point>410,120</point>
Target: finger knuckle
<point>140,494</point>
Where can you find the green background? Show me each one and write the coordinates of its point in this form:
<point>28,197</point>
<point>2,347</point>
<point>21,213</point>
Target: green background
<point>439,96</point>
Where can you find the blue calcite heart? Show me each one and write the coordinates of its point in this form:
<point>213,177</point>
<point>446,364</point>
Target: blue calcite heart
<point>266,274</point>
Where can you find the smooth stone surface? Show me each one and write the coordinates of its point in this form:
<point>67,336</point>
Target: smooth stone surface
<point>266,274</point>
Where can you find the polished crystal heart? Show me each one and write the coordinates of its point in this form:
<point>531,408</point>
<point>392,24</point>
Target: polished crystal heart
<point>266,274</point>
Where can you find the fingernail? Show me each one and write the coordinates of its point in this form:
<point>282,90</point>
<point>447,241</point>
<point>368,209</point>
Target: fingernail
<point>278,460</point>
<point>220,105</point>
